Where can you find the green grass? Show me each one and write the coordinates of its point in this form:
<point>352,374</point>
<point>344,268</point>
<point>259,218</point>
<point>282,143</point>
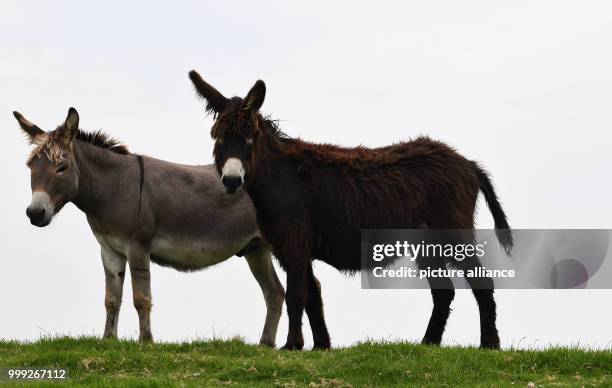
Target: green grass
<point>234,363</point>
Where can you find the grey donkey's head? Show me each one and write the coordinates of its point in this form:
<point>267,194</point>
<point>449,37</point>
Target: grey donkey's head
<point>54,172</point>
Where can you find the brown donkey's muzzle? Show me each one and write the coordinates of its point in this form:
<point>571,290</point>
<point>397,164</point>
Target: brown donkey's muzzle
<point>231,183</point>
<point>232,175</point>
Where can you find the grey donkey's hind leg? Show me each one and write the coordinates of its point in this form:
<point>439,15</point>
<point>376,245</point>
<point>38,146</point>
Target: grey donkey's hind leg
<point>260,263</point>
<point>139,261</point>
<point>114,271</point>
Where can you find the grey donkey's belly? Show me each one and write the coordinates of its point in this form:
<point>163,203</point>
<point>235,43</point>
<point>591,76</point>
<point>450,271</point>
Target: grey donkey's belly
<point>189,254</point>
<point>193,222</point>
<point>182,252</point>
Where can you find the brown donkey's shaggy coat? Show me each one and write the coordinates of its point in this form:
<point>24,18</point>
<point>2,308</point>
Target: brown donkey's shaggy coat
<point>312,201</point>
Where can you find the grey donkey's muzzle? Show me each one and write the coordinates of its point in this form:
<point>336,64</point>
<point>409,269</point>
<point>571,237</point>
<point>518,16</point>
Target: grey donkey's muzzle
<point>40,212</point>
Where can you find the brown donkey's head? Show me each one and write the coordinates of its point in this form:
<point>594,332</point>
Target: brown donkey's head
<point>235,130</point>
<point>54,173</point>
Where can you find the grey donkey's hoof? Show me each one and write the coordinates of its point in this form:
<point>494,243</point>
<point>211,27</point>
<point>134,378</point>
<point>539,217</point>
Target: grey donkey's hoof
<point>146,338</point>
<point>267,343</point>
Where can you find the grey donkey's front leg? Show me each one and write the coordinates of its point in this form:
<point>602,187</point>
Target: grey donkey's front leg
<point>260,263</point>
<point>114,271</point>
<point>139,261</point>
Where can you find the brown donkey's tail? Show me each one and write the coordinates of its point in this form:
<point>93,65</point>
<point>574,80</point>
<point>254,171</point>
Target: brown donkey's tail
<point>502,229</point>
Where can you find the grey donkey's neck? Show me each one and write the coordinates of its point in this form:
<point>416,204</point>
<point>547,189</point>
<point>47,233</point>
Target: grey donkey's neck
<point>101,172</point>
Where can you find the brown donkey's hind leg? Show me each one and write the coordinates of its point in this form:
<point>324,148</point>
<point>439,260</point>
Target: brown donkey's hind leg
<point>442,293</point>
<point>314,310</point>
<point>483,288</point>
<point>114,271</point>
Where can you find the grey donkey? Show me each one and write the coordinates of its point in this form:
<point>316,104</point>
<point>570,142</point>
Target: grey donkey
<point>142,209</point>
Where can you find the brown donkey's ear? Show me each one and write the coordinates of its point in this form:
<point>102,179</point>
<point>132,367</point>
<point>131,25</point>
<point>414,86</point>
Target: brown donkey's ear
<point>215,101</point>
<point>71,126</point>
<point>35,135</point>
<point>255,98</point>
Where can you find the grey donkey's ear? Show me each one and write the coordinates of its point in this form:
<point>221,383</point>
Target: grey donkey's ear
<point>215,101</point>
<point>35,135</point>
<point>255,98</point>
<point>71,125</point>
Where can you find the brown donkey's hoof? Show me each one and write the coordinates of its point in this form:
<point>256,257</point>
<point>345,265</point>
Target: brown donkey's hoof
<point>322,345</point>
<point>490,343</point>
<point>292,346</point>
<point>289,347</point>
<point>429,342</point>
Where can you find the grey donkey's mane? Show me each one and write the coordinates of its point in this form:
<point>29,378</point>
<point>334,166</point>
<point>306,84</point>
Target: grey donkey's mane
<point>97,139</point>
<point>103,140</point>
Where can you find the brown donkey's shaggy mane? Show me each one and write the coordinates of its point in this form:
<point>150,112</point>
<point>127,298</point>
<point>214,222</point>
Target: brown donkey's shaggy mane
<point>405,153</point>
<point>360,157</point>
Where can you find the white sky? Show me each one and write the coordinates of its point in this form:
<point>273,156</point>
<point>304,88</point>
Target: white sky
<point>525,87</point>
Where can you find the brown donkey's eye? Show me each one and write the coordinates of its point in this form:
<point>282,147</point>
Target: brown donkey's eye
<point>61,169</point>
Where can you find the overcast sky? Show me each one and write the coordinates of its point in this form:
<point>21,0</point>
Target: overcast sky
<point>525,87</point>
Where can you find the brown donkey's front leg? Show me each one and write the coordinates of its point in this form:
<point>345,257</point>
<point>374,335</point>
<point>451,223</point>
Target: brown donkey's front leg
<point>295,298</point>
<point>314,310</point>
<point>139,262</point>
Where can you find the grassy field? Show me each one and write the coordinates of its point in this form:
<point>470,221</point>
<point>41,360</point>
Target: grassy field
<point>234,363</point>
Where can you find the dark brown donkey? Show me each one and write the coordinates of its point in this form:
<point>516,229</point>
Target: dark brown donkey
<point>143,209</point>
<point>312,200</point>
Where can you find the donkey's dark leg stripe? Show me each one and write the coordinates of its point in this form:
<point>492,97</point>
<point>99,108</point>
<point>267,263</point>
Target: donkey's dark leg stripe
<point>142,174</point>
